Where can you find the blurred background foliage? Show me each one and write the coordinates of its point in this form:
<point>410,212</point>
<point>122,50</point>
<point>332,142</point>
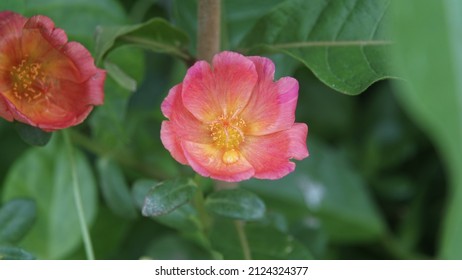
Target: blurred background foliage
<point>379,182</point>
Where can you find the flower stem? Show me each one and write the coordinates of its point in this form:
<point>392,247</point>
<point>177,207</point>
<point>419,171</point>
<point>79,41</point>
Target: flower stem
<point>208,36</point>
<point>239,225</point>
<point>243,239</point>
<point>199,203</point>
<point>78,199</point>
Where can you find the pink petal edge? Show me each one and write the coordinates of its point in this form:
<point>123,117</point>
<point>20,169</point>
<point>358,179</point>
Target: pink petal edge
<point>171,142</point>
<point>207,161</point>
<point>270,154</point>
<point>271,107</point>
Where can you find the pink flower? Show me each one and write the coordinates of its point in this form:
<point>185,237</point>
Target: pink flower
<point>232,122</point>
<point>45,81</point>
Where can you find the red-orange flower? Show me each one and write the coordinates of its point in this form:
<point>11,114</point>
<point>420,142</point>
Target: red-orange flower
<point>45,81</point>
<point>232,122</point>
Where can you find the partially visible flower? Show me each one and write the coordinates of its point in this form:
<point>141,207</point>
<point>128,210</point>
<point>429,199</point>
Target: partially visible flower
<point>232,122</point>
<point>45,81</point>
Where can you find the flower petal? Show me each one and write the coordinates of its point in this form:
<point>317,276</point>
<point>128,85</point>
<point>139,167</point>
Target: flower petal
<point>226,89</point>
<point>5,110</point>
<point>298,135</point>
<point>57,84</point>
<point>270,154</point>
<point>167,107</point>
<point>81,59</point>
<point>271,107</point>
<point>185,125</point>
<point>43,25</point>
<point>171,142</point>
<point>206,160</point>
<point>95,88</point>
<point>59,110</point>
<point>10,33</point>
<point>59,59</point>
<point>37,37</point>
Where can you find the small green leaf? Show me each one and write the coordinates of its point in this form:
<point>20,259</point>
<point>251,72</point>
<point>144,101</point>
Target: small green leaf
<point>167,196</point>
<point>16,218</point>
<point>14,253</point>
<point>141,189</point>
<point>184,219</point>
<point>156,35</point>
<point>32,135</point>
<point>115,189</point>
<point>342,42</point>
<point>236,204</point>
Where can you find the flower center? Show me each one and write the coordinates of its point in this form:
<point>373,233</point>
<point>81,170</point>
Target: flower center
<point>29,82</point>
<point>227,133</point>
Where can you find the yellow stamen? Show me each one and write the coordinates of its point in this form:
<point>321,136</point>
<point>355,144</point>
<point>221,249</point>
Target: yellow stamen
<point>227,133</point>
<point>28,81</point>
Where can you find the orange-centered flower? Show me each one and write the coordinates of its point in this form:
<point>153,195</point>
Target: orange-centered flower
<point>232,122</point>
<point>45,81</point>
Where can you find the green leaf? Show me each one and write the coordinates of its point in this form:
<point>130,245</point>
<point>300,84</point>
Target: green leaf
<point>241,15</point>
<point>342,42</point>
<point>156,35</point>
<point>14,253</point>
<point>115,189</point>
<point>56,232</point>
<point>167,196</point>
<point>140,190</point>
<point>428,53</point>
<point>32,135</point>
<point>236,204</point>
<point>327,186</point>
<point>183,218</point>
<point>265,242</point>
<point>17,217</point>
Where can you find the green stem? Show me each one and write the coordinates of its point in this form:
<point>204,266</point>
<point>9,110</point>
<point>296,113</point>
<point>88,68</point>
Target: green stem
<point>239,225</point>
<point>78,199</point>
<point>199,203</point>
<point>243,239</point>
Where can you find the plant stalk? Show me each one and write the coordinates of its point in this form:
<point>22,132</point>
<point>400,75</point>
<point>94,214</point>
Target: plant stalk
<point>208,35</point>
<point>78,199</point>
<point>243,239</point>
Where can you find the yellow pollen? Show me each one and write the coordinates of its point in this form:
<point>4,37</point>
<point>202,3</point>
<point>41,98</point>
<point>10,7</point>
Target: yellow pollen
<point>227,134</point>
<point>28,81</point>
